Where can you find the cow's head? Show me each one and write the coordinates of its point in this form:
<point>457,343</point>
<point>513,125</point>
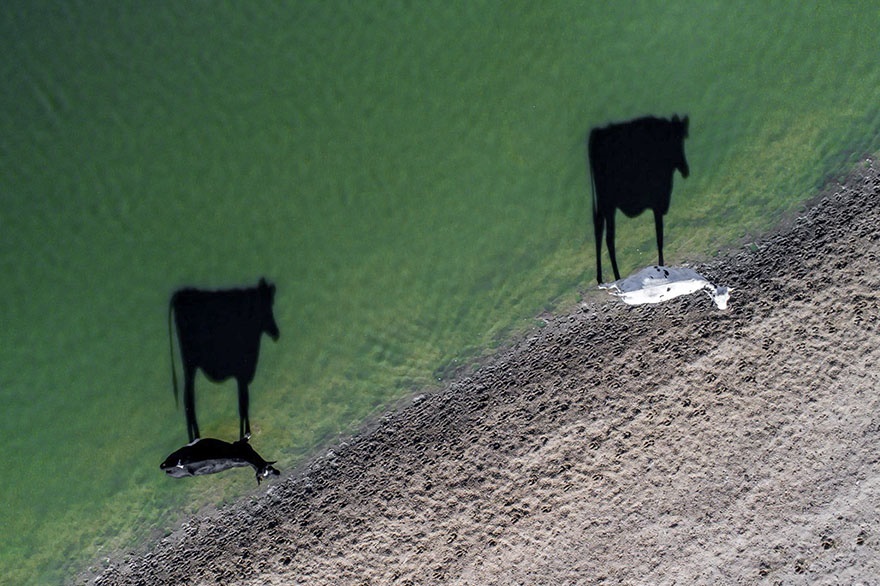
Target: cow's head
<point>679,133</point>
<point>267,299</point>
<point>244,451</point>
<point>266,471</point>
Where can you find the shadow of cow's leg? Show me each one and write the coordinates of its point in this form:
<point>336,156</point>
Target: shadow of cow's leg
<point>609,240</point>
<point>598,227</point>
<point>189,402</point>
<point>244,424</point>
<point>658,225</point>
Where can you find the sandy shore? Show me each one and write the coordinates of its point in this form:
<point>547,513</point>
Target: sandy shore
<point>640,445</point>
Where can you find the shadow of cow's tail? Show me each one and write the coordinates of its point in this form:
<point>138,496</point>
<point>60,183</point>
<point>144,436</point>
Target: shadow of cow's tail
<point>171,347</point>
<point>598,226</point>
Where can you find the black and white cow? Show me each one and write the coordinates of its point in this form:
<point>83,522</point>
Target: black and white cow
<point>219,332</point>
<point>631,166</point>
<point>209,456</point>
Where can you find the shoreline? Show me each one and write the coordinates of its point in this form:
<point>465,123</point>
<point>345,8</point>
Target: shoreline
<point>631,444</point>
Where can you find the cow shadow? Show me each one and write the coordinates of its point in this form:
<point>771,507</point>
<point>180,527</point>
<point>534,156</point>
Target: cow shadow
<point>219,332</point>
<point>631,168</point>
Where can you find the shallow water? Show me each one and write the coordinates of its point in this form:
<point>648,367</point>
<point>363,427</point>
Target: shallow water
<point>412,178</point>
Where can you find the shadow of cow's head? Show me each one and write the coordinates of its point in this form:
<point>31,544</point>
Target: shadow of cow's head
<point>267,297</point>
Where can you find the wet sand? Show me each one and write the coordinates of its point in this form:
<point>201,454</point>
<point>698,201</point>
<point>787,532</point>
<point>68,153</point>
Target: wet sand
<point>673,443</point>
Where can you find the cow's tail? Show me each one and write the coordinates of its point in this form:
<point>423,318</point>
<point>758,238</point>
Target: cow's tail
<point>171,347</point>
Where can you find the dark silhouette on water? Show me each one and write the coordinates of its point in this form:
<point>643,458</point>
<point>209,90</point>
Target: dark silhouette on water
<point>209,456</point>
<point>631,167</point>
<point>219,332</point>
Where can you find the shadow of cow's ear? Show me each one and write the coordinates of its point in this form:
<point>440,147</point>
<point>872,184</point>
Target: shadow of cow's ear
<point>265,285</point>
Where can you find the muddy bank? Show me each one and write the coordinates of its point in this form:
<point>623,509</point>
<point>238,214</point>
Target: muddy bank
<point>652,444</point>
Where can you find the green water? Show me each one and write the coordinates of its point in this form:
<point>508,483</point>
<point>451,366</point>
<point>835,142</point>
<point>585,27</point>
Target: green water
<point>410,175</point>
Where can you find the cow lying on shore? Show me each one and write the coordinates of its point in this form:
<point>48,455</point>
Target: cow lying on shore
<point>631,168</point>
<point>657,284</point>
<point>219,332</point>
<point>209,456</point>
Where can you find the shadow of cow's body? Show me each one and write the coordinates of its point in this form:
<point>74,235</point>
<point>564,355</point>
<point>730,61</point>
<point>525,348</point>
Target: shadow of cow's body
<point>219,332</point>
<point>631,167</point>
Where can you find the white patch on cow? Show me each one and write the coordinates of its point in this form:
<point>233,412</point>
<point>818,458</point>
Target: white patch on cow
<point>177,471</point>
<point>657,284</point>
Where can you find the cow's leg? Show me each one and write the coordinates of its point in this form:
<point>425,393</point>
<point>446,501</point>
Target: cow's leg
<point>598,226</point>
<point>189,402</point>
<point>244,422</point>
<point>658,224</point>
<point>609,240</point>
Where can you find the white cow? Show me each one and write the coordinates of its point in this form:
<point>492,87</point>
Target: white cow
<point>657,284</point>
